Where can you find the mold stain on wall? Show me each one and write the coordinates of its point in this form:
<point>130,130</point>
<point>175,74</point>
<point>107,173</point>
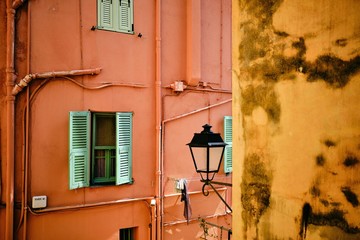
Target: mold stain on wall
<point>255,189</point>
<point>334,191</point>
<point>267,56</point>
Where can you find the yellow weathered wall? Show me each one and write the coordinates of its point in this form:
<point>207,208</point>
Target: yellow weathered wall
<point>296,84</point>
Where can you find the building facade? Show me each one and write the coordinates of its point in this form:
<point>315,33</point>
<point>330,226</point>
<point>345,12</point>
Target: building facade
<point>99,99</point>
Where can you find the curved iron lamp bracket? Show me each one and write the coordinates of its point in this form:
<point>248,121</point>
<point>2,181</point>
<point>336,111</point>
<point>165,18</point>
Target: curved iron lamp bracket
<point>210,183</point>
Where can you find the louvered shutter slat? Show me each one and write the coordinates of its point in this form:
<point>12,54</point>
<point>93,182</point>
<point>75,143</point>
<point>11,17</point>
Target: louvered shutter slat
<point>228,140</point>
<point>123,148</point>
<point>105,14</point>
<point>126,15</point>
<point>79,146</point>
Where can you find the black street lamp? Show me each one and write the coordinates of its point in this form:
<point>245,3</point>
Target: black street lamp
<point>207,150</point>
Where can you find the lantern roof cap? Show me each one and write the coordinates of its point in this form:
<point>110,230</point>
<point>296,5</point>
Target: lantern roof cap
<point>207,138</point>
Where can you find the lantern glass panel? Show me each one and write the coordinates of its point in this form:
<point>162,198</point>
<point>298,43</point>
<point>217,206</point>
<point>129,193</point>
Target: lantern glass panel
<point>200,158</point>
<point>215,158</point>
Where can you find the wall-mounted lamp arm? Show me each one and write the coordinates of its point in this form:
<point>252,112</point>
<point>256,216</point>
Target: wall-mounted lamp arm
<point>210,183</point>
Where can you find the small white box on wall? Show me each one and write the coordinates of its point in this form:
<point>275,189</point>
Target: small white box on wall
<point>39,201</point>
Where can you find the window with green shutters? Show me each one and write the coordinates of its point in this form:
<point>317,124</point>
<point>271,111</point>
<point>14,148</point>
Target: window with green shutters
<point>116,15</point>
<point>100,148</point>
<point>228,140</point>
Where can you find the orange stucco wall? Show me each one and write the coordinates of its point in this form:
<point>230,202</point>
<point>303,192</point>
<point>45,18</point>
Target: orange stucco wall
<point>296,119</point>
<point>55,36</point>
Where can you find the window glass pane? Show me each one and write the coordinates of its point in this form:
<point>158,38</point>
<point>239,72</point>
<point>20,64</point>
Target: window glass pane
<point>99,168</point>
<point>105,130</point>
<point>127,234</point>
<point>112,163</point>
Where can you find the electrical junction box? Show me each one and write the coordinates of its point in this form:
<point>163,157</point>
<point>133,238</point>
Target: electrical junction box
<point>178,86</point>
<point>39,202</point>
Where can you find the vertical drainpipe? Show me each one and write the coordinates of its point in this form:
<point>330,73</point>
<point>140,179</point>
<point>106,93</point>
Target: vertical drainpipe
<point>10,119</point>
<point>158,113</point>
<point>193,42</point>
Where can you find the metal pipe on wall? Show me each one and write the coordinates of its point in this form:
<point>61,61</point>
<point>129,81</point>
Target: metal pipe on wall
<point>10,113</point>
<point>88,205</point>
<point>158,125</point>
<point>28,78</point>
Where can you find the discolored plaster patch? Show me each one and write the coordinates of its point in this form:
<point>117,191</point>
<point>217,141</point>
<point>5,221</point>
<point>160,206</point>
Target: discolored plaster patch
<point>333,70</point>
<point>320,160</point>
<point>264,96</point>
<point>329,143</point>
<point>255,188</point>
<point>267,56</point>
<point>334,218</point>
<point>351,197</point>
<point>335,187</point>
<point>341,42</point>
<point>315,191</point>
<point>351,161</point>
<point>262,9</point>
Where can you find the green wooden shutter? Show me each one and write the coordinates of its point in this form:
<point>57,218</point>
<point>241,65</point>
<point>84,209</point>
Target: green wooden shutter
<point>123,148</point>
<point>126,16</point>
<point>105,14</point>
<point>228,140</point>
<point>79,147</point>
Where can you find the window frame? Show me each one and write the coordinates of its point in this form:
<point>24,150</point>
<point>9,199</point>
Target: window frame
<point>228,141</point>
<point>81,149</point>
<point>116,15</point>
<point>108,179</point>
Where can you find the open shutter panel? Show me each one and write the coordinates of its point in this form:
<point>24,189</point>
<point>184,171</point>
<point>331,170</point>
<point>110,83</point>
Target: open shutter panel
<point>123,148</point>
<point>79,146</point>
<point>105,9</point>
<point>126,16</point>
<point>228,140</point>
